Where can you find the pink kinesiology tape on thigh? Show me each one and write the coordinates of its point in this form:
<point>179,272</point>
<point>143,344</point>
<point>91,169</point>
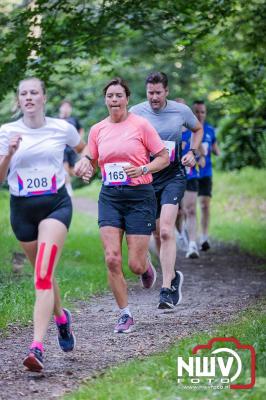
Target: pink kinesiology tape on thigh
<point>46,282</point>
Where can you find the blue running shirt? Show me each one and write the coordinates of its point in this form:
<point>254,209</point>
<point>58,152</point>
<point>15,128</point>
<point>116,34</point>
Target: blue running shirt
<point>209,138</point>
<point>192,172</point>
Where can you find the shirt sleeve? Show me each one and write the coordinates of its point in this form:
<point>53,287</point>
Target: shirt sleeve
<point>92,143</point>
<point>186,136</point>
<point>73,137</point>
<point>3,142</point>
<point>77,124</point>
<point>132,109</point>
<point>214,139</point>
<point>190,120</point>
<point>151,138</point>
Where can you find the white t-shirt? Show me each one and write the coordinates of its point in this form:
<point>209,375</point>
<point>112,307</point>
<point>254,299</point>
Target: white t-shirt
<point>37,168</point>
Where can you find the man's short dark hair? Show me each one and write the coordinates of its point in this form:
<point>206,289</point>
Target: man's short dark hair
<point>66,101</point>
<point>117,81</point>
<point>199,102</point>
<point>157,77</point>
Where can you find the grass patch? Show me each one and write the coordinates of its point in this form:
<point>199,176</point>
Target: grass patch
<point>238,213</point>
<point>155,378</point>
<point>91,190</point>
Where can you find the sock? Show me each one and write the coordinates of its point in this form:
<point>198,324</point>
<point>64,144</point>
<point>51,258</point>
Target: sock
<point>183,232</point>
<point>61,320</point>
<point>39,345</point>
<point>125,311</point>
<point>204,238</point>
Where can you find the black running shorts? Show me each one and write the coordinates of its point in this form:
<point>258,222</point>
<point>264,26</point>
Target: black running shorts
<point>192,185</point>
<point>27,212</point>
<point>205,186</point>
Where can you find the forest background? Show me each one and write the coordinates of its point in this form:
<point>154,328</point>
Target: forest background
<point>211,50</point>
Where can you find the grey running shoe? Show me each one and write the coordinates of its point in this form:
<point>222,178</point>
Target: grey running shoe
<point>124,324</point>
<point>66,337</point>
<point>176,286</point>
<point>166,300</point>
<point>34,360</point>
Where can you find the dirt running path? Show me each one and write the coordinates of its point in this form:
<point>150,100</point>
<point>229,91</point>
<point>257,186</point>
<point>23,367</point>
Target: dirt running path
<point>216,287</point>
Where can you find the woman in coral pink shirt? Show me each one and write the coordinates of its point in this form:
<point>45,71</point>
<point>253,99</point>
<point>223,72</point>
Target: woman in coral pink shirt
<point>121,144</point>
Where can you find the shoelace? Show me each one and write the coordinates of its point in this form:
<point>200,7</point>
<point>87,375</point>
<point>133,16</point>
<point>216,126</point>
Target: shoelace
<point>145,275</point>
<point>123,319</point>
<point>167,293</point>
<point>37,352</point>
<point>64,330</point>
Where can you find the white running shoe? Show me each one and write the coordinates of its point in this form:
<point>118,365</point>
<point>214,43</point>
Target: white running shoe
<point>182,240</point>
<point>192,250</point>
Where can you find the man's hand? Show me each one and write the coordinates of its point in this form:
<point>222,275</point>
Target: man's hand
<point>202,161</point>
<point>188,160</point>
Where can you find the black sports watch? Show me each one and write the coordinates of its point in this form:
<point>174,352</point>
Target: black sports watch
<point>88,157</point>
<point>194,151</point>
<point>144,169</point>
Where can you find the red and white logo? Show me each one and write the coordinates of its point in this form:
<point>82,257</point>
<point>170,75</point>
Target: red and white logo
<point>221,359</point>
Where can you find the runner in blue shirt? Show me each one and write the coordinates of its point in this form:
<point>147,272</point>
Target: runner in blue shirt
<point>190,199</point>
<point>209,146</point>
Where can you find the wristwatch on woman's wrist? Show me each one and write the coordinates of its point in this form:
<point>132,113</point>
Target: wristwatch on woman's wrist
<point>144,169</point>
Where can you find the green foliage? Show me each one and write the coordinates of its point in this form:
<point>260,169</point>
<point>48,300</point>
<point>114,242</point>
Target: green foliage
<point>213,50</point>
<point>90,191</point>
<point>243,141</point>
<point>69,30</point>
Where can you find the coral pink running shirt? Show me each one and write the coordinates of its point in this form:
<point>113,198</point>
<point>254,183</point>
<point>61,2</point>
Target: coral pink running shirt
<point>130,141</point>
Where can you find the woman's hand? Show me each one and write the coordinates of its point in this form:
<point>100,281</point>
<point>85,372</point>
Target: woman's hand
<point>133,172</point>
<point>13,145</point>
<point>84,169</point>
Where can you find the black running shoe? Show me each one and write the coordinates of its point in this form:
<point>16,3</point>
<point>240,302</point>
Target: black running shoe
<point>66,338</point>
<point>205,246</point>
<point>166,300</point>
<point>176,286</point>
<point>34,360</point>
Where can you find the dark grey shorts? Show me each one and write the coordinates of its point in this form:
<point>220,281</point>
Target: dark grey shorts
<point>131,208</point>
<point>171,193</point>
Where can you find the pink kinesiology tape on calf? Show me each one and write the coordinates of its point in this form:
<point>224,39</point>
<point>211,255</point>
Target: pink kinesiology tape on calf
<point>46,282</point>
